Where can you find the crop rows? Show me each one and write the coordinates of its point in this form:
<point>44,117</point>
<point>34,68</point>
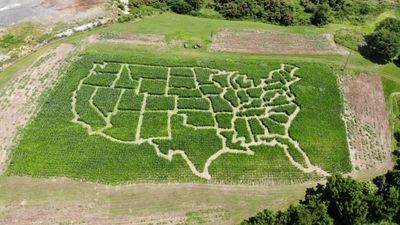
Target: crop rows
<point>134,124</point>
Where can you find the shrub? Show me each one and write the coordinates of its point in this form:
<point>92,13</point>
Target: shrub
<point>180,6</point>
<point>349,38</point>
<point>321,15</point>
<point>383,44</point>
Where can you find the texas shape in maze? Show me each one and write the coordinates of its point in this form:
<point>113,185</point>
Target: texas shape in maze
<point>174,108</point>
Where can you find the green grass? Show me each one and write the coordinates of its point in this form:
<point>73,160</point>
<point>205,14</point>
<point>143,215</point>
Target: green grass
<point>124,125</point>
<point>147,72</point>
<point>130,101</point>
<point>182,82</point>
<point>201,119</point>
<point>105,99</point>
<point>182,72</point>
<point>224,120</point>
<point>88,114</point>
<point>184,93</point>
<point>76,154</point>
<point>193,103</point>
<point>109,68</point>
<point>160,103</point>
<point>101,79</point>
<point>155,124</point>
<point>125,81</point>
<point>151,86</point>
<point>220,105</point>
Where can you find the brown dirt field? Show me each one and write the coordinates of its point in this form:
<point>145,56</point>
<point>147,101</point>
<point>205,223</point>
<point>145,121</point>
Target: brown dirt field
<point>367,122</point>
<point>25,200</point>
<point>272,42</point>
<point>18,100</point>
<point>128,38</point>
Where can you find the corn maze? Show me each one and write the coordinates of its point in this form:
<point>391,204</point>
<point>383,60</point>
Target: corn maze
<point>134,104</point>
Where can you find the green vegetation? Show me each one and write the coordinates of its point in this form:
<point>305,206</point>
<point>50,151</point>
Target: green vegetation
<point>283,12</point>
<point>342,201</point>
<point>155,124</point>
<point>103,160</point>
<point>151,86</point>
<point>160,103</point>
<point>193,103</point>
<point>349,38</point>
<point>383,45</point>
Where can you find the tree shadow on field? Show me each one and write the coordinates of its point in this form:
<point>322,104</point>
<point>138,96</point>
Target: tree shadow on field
<point>397,61</point>
<point>371,55</point>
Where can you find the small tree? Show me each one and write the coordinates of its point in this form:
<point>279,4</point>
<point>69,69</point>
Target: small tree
<point>196,4</point>
<point>180,6</point>
<point>390,24</point>
<point>321,15</point>
<point>383,44</point>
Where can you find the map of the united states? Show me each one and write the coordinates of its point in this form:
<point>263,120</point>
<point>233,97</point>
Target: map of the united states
<point>163,106</point>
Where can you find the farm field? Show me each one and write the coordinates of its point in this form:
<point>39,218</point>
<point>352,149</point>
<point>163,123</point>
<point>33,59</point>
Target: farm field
<point>127,110</point>
<point>139,129</point>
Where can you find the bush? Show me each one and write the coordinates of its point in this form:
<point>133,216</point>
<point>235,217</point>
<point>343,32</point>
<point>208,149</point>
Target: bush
<point>181,6</point>
<point>349,39</point>
<point>10,41</point>
<point>321,15</point>
<point>383,44</point>
<point>390,24</point>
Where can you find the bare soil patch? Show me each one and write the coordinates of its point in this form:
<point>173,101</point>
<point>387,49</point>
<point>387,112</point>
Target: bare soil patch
<point>129,38</point>
<point>18,101</point>
<point>275,43</point>
<point>367,122</point>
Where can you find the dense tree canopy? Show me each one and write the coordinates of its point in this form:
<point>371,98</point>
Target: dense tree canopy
<point>384,42</point>
<point>342,201</point>
<point>284,12</point>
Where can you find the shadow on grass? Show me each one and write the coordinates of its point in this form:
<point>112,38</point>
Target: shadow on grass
<point>371,55</point>
<point>397,62</point>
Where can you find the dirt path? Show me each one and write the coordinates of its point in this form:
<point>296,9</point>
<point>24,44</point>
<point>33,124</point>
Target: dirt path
<point>19,99</point>
<point>367,123</point>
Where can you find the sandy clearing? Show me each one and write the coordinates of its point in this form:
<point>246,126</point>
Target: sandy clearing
<point>18,100</point>
<point>271,42</point>
<point>129,38</point>
<point>367,122</point>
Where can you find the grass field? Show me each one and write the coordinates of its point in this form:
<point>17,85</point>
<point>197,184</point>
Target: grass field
<point>53,145</point>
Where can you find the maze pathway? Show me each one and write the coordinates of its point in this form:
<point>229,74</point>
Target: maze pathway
<point>137,104</point>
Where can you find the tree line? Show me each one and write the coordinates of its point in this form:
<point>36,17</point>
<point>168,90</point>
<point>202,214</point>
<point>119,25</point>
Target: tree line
<point>342,201</point>
<point>284,12</point>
